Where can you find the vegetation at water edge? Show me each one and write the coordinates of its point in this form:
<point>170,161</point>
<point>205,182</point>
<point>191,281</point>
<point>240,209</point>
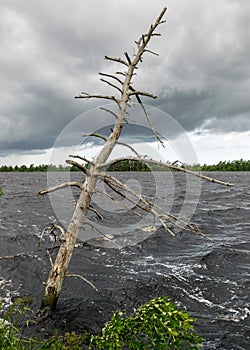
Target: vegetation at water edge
<point>130,165</point>
<point>159,324</point>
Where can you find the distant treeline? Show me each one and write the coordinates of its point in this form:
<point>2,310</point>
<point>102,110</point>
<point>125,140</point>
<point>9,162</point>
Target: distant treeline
<point>32,167</point>
<point>130,165</point>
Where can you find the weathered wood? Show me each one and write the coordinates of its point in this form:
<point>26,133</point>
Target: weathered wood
<point>59,270</point>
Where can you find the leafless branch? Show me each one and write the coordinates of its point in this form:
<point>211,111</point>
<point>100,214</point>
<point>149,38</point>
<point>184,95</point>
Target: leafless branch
<point>116,59</point>
<point>109,111</point>
<point>147,115</point>
<point>112,76</point>
<point>127,57</point>
<point>142,203</point>
<point>121,204</point>
<point>82,158</point>
<point>137,93</point>
<point>79,166</point>
<point>122,73</point>
<point>105,97</point>
<point>96,212</point>
<point>83,278</point>
<point>128,146</point>
<point>168,166</point>
<point>99,231</point>
<point>50,258</point>
<point>96,135</point>
<point>118,187</point>
<point>58,187</point>
<point>152,52</point>
<point>117,142</point>
<point>112,85</point>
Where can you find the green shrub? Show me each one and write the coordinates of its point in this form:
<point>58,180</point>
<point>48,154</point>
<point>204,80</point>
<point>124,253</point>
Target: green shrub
<point>11,337</point>
<point>1,191</point>
<point>155,325</point>
<point>158,324</point>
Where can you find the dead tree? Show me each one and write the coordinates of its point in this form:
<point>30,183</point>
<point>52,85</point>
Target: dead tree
<point>121,82</point>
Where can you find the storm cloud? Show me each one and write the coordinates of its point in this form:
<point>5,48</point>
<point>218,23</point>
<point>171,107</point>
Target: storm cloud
<point>52,50</point>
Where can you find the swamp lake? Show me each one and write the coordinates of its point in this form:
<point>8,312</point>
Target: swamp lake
<point>130,259</point>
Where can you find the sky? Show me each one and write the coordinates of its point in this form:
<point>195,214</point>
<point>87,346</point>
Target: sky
<point>53,50</point>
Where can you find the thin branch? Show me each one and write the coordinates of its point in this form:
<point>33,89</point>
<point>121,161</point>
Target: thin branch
<point>152,208</point>
<point>152,52</point>
<point>122,73</point>
<point>147,206</point>
<point>128,146</point>
<point>79,166</point>
<point>117,142</point>
<point>105,97</point>
<point>112,76</point>
<point>99,231</point>
<point>121,204</point>
<point>96,135</point>
<point>83,278</point>
<point>91,208</point>
<point>112,85</point>
<point>147,116</point>
<point>142,93</point>
<point>109,111</point>
<point>50,259</point>
<point>168,166</point>
<point>116,59</point>
<point>127,57</point>
<point>58,187</point>
<point>82,158</point>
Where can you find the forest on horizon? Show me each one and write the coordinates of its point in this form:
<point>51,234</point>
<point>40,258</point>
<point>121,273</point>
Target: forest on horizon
<point>131,165</point>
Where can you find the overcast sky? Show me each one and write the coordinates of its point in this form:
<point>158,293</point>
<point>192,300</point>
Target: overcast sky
<point>52,50</point>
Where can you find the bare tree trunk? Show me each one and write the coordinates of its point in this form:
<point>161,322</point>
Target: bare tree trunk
<point>60,265</point>
<point>167,220</point>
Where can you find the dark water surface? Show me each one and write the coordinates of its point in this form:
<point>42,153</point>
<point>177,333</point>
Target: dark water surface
<point>210,281</point>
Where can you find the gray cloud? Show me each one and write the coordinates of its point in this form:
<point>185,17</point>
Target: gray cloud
<point>51,51</point>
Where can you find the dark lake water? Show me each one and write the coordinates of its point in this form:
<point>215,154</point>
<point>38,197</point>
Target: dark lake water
<point>132,260</point>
